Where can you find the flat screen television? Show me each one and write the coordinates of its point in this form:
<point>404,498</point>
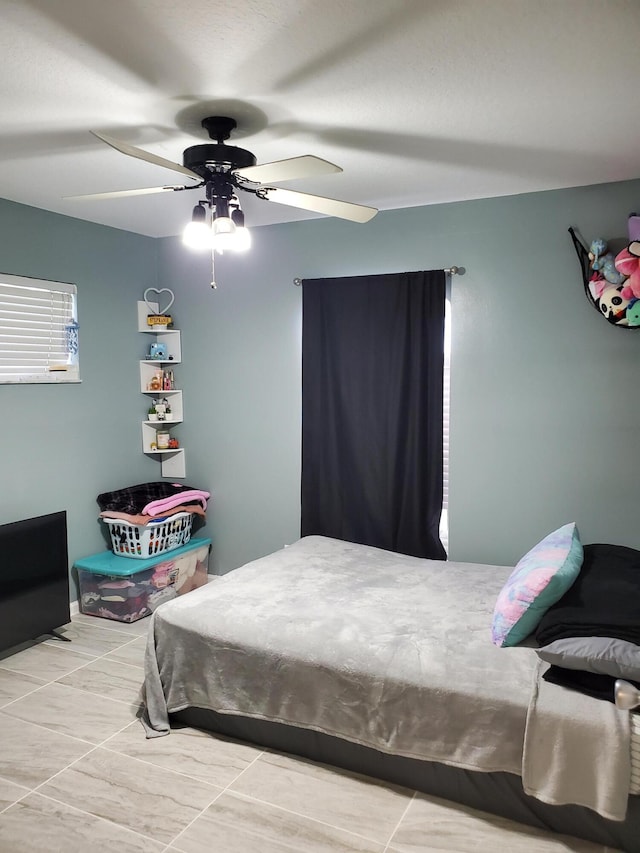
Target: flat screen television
<point>34,578</point>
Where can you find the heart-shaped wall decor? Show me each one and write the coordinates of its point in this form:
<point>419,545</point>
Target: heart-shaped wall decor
<point>159,292</point>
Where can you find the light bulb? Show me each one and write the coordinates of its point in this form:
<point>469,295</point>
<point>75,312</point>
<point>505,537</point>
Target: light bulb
<point>197,235</point>
<point>242,240</point>
<point>223,233</point>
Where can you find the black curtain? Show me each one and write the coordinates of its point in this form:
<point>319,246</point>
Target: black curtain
<point>372,371</point>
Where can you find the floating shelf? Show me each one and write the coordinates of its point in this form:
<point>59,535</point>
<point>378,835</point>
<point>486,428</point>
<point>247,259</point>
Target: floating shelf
<point>172,460</point>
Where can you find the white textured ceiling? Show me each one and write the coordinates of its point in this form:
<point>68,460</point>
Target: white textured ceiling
<point>420,101</point>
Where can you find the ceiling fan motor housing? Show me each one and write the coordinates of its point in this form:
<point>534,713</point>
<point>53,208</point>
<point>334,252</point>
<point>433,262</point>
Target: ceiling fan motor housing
<point>204,159</point>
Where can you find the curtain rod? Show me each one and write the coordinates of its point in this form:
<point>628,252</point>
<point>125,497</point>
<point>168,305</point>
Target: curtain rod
<point>449,271</point>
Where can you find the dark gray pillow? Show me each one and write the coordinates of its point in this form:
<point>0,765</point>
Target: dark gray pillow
<point>603,655</point>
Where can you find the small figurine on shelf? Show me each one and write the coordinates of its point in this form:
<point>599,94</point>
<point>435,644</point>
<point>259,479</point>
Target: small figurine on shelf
<point>158,352</point>
<point>161,410</point>
<point>173,444</point>
<point>155,383</point>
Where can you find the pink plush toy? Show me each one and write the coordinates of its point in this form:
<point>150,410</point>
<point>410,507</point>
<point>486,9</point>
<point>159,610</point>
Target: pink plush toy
<point>628,263</point>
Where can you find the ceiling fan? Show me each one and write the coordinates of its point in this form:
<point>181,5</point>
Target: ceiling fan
<point>221,170</point>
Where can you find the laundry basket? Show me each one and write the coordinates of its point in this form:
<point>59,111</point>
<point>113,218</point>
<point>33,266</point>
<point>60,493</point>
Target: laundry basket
<point>141,541</point>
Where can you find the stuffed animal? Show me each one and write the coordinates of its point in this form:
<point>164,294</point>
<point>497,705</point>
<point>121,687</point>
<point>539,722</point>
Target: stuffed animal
<point>628,263</point>
<point>633,313</point>
<point>614,305</point>
<point>603,264</point>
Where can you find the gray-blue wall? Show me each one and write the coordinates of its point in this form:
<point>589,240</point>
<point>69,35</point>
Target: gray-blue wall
<point>544,408</point>
<point>544,411</point>
<point>62,445</point>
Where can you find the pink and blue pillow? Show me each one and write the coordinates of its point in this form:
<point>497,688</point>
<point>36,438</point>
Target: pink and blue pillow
<point>540,579</point>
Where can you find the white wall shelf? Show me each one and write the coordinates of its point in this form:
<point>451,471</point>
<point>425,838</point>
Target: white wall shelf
<point>154,371</point>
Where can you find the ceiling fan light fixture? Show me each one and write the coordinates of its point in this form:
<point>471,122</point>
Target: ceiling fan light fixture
<point>197,233</point>
<point>219,169</point>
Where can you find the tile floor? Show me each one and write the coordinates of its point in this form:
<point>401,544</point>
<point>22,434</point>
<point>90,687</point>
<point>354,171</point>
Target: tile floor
<point>78,775</point>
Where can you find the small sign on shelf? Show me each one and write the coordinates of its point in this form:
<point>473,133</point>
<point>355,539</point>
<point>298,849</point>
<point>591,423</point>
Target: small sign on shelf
<point>159,320</point>
<point>159,317</point>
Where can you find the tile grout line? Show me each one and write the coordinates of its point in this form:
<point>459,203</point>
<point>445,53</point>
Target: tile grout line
<point>70,672</point>
<point>82,812</point>
<point>399,823</point>
<point>27,792</point>
<point>91,659</point>
<point>249,797</point>
<point>105,819</point>
<point>104,744</point>
<point>317,820</point>
<point>55,731</point>
<point>57,645</point>
<point>108,626</point>
<point>24,696</point>
<point>75,761</point>
<point>62,770</point>
<point>94,658</point>
<point>66,687</point>
<point>217,797</point>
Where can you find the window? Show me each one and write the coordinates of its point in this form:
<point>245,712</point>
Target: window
<point>38,330</point>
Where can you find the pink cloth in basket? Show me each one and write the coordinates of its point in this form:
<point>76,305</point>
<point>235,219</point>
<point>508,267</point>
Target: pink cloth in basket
<point>194,509</point>
<point>188,496</point>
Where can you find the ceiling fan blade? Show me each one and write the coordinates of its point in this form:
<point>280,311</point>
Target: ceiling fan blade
<point>140,154</point>
<point>124,193</point>
<point>319,204</point>
<point>306,166</point>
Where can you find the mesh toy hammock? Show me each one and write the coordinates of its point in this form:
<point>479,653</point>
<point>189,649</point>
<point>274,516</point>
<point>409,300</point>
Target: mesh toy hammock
<point>610,304</point>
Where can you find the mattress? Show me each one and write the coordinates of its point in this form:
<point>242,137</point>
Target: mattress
<point>356,642</point>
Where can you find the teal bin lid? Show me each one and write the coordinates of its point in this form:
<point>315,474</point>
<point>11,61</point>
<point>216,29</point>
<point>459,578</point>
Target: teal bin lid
<point>108,563</point>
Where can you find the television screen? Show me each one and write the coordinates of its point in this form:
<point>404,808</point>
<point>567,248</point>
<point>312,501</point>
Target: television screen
<point>34,578</point>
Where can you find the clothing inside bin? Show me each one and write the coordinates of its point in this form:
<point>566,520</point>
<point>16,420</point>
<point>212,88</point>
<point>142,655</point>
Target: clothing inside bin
<point>127,599</point>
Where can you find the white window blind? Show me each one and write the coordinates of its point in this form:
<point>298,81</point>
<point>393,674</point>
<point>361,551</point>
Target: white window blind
<point>444,518</point>
<point>37,320</point>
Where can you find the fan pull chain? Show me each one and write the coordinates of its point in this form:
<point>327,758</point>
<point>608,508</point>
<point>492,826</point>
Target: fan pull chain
<point>214,286</point>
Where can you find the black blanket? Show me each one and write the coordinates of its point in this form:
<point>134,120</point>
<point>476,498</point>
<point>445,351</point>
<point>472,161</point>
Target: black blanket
<point>592,683</point>
<point>604,600</point>
<point>133,499</point>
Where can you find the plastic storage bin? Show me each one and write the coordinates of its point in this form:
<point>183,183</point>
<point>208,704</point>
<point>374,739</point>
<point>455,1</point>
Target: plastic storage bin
<point>126,590</point>
<point>140,541</point>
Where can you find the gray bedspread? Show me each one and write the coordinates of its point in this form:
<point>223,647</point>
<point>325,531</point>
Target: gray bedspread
<point>385,650</point>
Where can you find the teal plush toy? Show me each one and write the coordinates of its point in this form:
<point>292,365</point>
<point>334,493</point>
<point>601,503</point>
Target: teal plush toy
<point>633,313</point>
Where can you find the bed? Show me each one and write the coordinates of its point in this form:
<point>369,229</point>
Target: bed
<point>383,664</point>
